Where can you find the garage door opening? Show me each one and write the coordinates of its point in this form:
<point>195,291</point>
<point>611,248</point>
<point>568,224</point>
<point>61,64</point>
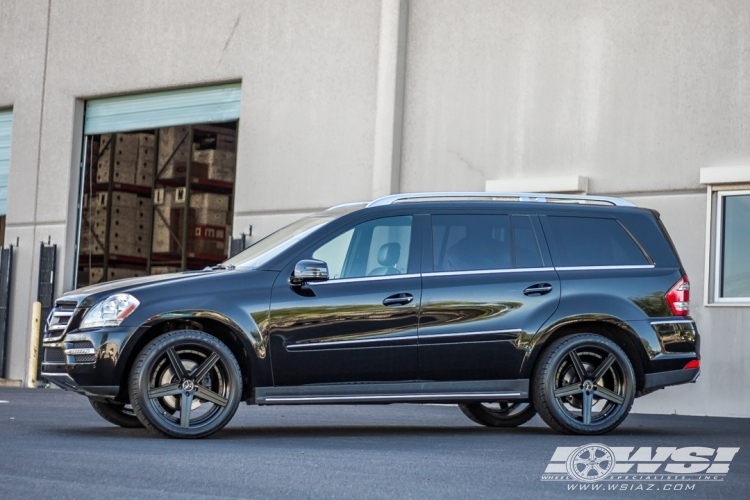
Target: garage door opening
<point>155,200</point>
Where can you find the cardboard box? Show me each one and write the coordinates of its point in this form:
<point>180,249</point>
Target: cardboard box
<point>96,274</point>
<point>221,164</point>
<point>221,142</point>
<point>119,199</point>
<point>173,146</point>
<point>178,170</point>
<point>207,247</point>
<point>164,269</point>
<point>206,217</point>
<point>210,201</point>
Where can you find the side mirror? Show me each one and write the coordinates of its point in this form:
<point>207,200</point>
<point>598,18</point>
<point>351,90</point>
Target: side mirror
<point>309,270</point>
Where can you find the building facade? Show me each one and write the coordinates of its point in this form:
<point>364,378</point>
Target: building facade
<point>343,101</point>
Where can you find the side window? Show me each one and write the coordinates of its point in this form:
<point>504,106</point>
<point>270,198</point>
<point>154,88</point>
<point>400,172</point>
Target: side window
<point>374,248</point>
<point>585,241</point>
<point>525,244</point>
<point>471,242</point>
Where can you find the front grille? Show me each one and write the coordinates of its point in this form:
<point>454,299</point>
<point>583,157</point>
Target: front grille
<point>58,320</point>
<point>54,355</point>
<point>85,358</point>
<point>82,344</point>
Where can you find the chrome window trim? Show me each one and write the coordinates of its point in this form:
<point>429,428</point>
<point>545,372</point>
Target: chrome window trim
<point>437,395</point>
<point>489,271</point>
<point>605,268</point>
<point>307,345</point>
<point>364,278</point>
<point>462,334</point>
<point>670,322</point>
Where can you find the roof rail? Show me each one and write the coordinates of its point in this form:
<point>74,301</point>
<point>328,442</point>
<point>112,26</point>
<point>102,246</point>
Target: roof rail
<point>363,204</point>
<point>532,197</point>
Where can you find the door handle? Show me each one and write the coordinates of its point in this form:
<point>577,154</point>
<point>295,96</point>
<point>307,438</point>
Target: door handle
<point>538,289</point>
<point>398,299</point>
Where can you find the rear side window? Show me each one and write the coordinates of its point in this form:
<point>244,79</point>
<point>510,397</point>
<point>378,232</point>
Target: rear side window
<point>585,241</point>
<point>478,242</point>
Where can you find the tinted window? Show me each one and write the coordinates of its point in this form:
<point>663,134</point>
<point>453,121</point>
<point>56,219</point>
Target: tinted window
<point>374,248</point>
<point>584,241</point>
<point>526,246</point>
<point>471,242</point>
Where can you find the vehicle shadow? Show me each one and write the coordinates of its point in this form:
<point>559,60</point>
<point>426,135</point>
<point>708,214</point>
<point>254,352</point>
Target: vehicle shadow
<point>266,432</point>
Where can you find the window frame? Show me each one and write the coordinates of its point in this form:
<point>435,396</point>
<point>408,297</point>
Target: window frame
<point>413,260</point>
<point>716,240</point>
<point>428,249</point>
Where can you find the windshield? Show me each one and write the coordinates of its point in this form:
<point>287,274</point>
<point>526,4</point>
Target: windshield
<point>272,245</point>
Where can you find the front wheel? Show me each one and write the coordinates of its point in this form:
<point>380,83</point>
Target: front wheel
<point>583,384</point>
<point>502,414</point>
<point>118,414</point>
<point>185,384</point>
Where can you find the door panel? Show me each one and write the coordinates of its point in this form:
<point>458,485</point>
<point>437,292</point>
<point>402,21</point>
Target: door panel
<point>344,333</point>
<point>481,294</point>
<point>360,325</point>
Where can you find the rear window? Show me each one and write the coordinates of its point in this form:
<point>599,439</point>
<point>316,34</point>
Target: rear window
<point>585,241</point>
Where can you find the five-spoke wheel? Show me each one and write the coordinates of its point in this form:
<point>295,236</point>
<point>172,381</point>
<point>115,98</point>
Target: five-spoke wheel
<point>185,384</point>
<point>584,384</point>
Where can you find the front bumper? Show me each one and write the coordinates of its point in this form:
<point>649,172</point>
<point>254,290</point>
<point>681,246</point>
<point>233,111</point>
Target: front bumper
<point>88,362</point>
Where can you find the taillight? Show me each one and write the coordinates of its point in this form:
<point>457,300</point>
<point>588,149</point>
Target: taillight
<point>678,297</point>
<point>692,365</point>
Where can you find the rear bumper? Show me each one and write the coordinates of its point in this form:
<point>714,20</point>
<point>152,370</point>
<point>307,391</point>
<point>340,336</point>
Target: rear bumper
<point>672,377</point>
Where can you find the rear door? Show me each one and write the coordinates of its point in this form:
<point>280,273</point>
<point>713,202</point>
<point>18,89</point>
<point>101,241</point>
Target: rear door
<point>487,282</point>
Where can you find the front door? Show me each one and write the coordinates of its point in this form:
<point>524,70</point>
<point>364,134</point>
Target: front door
<point>487,282</point>
<point>361,324</point>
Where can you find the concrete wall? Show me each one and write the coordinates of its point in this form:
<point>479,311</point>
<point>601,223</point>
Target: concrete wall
<point>308,73</point>
<point>345,99</point>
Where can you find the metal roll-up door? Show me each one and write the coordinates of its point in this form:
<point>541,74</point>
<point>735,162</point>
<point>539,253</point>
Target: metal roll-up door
<point>6,118</point>
<point>217,103</point>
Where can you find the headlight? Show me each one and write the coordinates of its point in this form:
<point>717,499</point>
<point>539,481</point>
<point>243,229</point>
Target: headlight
<point>110,312</point>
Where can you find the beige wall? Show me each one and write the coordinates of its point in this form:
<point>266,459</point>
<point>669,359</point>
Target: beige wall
<point>635,95</point>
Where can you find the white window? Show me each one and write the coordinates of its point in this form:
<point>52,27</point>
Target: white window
<point>731,247</point>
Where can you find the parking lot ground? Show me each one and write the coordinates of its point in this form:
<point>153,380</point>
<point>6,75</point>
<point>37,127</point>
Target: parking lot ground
<point>53,445</point>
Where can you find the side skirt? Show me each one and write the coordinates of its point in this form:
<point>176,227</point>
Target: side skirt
<point>401,392</point>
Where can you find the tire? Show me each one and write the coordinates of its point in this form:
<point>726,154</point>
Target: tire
<point>185,384</point>
<point>503,414</point>
<point>116,413</point>
<point>570,381</point>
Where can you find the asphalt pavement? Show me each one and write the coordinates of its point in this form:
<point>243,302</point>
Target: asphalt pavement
<point>53,445</point>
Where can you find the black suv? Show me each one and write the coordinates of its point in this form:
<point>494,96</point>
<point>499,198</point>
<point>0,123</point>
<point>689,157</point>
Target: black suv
<point>505,304</point>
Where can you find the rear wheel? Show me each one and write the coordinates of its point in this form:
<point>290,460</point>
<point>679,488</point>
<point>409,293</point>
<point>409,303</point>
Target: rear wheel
<point>185,384</point>
<point>583,384</point>
<point>116,413</point>
<point>502,414</point>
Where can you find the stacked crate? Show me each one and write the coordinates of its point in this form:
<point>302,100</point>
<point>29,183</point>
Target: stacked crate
<point>133,156</point>
<point>213,159</point>
<point>208,217</point>
<point>129,225</point>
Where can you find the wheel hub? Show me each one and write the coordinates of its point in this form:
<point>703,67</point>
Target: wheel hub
<point>188,385</point>
<point>587,385</point>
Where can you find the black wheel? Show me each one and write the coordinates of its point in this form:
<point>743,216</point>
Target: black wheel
<point>583,384</point>
<point>116,413</point>
<point>502,414</point>
<point>185,384</point>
